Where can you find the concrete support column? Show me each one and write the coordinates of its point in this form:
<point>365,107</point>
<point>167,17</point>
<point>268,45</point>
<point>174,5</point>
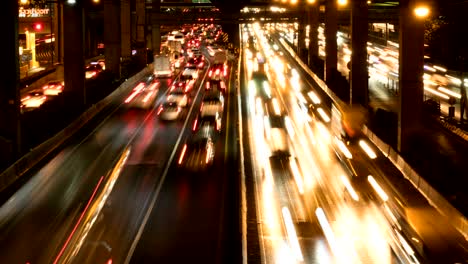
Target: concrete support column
<point>10,125</point>
<point>156,38</point>
<point>73,59</point>
<point>331,28</point>
<point>125,28</point>
<point>359,72</point>
<point>156,29</point>
<point>112,36</point>
<point>58,48</point>
<point>411,61</point>
<point>313,32</point>
<point>31,44</point>
<point>301,34</point>
<point>140,31</point>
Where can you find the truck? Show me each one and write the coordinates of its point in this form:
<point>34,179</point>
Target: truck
<point>162,66</point>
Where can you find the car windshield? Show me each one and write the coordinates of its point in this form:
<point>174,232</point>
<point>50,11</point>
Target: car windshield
<point>94,67</point>
<point>177,92</point>
<point>36,94</point>
<point>277,121</point>
<point>55,83</point>
<point>169,105</point>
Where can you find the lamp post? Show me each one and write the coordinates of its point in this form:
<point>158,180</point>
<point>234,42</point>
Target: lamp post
<point>411,62</point>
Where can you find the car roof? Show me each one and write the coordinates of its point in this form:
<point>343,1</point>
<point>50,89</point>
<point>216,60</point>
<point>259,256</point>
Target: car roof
<point>277,121</point>
<point>212,95</point>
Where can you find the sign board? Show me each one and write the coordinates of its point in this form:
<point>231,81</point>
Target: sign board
<point>34,12</point>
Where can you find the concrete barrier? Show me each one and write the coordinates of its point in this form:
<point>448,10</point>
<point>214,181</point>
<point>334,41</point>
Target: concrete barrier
<point>459,221</point>
<point>25,163</point>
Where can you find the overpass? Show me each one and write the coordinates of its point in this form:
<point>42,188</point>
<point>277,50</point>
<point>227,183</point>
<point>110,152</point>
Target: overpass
<point>376,15</point>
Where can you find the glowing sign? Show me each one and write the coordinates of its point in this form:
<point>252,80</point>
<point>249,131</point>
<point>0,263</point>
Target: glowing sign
<point>33,12</point>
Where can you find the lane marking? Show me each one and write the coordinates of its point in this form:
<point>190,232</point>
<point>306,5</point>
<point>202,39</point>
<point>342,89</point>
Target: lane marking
<point>163,177</point>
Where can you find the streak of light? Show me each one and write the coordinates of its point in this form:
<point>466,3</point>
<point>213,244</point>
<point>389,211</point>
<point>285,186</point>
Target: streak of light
<point>435,92</point>
<point>449,92</point>
<point>276,106</point>
<point>350,188</point>
<point>79,221</point>
<point>429,68</point>
<point>377,188</point>
<point>324,115</point>
<point>289,126</point>
<point>440,68</point>
<point>342,147</point>
<point>182,154</point>
<point>297,175</point>
<point>292,236</point>
<point>327,230</point>
<point>454,80</point>
<point>363,144</point>
<point>301,98</point>
<point>313,96</point>
<point>148,96</point>
<point>135,92</point>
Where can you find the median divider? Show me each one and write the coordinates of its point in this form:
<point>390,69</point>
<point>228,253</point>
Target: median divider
<point>25,163</point>
<point>458,220</point>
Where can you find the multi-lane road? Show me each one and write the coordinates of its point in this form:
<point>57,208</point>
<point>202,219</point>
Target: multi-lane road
<point>118,193</point>
<point>389,215</point>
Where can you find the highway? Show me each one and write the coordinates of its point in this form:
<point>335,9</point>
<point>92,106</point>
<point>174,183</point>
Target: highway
<point>119,193</point>
<point>376,223</point>
<point>95,200</point>
<point>297,194</point>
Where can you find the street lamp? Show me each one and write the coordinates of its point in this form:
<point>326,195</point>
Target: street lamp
<point>342,2</point>
<point>421,11</point>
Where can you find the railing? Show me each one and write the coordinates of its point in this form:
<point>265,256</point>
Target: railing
<point>28,161</point>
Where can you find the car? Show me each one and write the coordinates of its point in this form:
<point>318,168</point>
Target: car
<point>195,61</point>
<point>190,71</point>
<point>178,96</point>
<point>198,152</point>
<point>203,120</point>
<point>215,85</point>
<point>276,130</point>
<point>144,96</point>
<point>212,101</point>
<point>102,62</point>
<point>92,70</point>
<point>218,71</point>
<point>260,87</point>
<point>169,111</point>
<point>53,88</point>
<point>33,100</point>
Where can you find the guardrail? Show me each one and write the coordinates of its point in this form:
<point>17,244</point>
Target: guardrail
<point>458,220</point>
<point>21,166</point>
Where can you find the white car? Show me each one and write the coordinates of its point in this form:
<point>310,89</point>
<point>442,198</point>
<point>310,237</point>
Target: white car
<point>190,71</point>
<point>33,99</point>
<point>177,96</point>
<point>53,88</point>
<point>169,111</point>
